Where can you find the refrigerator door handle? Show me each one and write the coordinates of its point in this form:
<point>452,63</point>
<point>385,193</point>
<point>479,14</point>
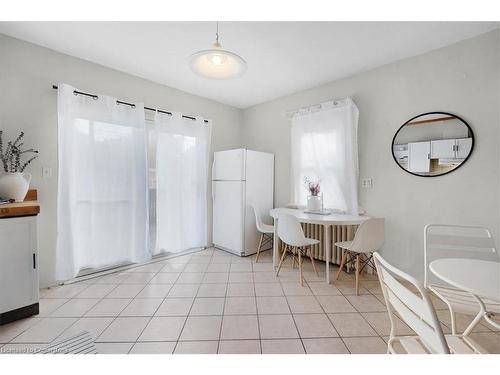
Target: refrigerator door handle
<point>213,191</point>
<point>213,168</point>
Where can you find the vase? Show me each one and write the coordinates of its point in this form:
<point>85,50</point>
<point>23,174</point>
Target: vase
<point>14,185</point>
<point>314,203</point>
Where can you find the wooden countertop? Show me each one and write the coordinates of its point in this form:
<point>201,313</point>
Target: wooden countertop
<point>29,207</point>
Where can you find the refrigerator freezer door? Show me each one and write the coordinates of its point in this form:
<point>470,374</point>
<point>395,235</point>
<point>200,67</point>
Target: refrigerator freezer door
<point>229,165</point>
<point>228,215</point>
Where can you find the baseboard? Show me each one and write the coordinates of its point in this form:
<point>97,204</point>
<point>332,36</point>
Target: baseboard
<point>22,312</point>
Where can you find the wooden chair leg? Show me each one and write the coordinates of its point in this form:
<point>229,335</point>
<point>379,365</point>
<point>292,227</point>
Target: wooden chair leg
<point>300,268</point>
<point>312,262</point>
<point>281,260</point>
<point>342,261</point>
<point>357,274</point>
<point>258,248</point>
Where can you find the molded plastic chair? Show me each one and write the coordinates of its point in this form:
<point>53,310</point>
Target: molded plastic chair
<point>369,238</point>
<point>266,231</point>
<point>459,241</point>
<point>416,310</point>
<point>296,243</point>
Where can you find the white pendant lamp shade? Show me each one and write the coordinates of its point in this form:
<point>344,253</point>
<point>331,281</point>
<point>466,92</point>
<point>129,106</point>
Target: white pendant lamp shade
<point>217,63</point>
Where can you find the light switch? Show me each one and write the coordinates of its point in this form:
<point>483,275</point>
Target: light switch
<point>46,172</point>
<point>367,183</point>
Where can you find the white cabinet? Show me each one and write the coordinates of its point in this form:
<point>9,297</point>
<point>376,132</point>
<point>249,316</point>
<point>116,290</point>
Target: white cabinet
<point>463,147</point>
<point>18,268</point>
<point>418,156</point>
<point>451,148</point>
<point>443,149</point>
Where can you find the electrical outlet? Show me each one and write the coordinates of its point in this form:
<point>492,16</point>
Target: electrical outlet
<point>367,183</point>
<point>46,172</point>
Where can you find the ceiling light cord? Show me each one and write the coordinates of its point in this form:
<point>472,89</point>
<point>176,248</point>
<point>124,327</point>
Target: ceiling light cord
<point>217,33</point>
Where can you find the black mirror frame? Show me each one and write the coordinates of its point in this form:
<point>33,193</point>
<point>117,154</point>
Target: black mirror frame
<point>433,113</point>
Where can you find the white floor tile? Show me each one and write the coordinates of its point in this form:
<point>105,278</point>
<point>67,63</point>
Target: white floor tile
<point>240,327</point>
<point>240,290</point>
<point>314,326</point>
<point>272,305</point>
<point>325,346</point>
<point>196,347</point>
<point>240,306</point>
<point>142,307</point>
<point>277,327</point>
<point>154,291</point>
<point>113,347</point>
<point>108,307</point>
<point>212,290</point>
<point>45,331</point>
<point>125,291</point>
<point>123,329</point>
<point>366,345</point>
<point>304,304</point>
<point>207,306</point>
<point>282,347</point>
<point>10,330</point>
<point>163,329</point>
<point>175,307</point>
<point>96,291</point>
<point>239,347</point>
<point>201,328</point>
<point>183,290</point>
<point>65,291</point>
<point>95,326</point>
<point>153,348</point>
<point>75,308</point>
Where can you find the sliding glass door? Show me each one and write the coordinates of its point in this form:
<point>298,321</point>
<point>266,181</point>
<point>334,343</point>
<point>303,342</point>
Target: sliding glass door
<point>102,196</point>
<point>182,150</point>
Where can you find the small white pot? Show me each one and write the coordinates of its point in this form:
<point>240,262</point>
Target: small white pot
<point>14,185</point>
<point>314,203</point>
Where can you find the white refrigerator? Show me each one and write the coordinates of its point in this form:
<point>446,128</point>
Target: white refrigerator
<point>240,178</point>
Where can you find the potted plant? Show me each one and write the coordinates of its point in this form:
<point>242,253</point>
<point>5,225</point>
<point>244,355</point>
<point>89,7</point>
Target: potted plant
<point>314,200</point>
<point>14,184</point>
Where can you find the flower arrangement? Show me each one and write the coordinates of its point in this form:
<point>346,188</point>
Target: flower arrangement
<point>312,186</point>
<point>11,156</point>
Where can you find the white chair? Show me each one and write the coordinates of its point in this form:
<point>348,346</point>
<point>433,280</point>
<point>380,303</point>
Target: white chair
<point>266,231</point>
<point>416,310</point>
<point>369,238</point>
<point>459,241</point>
<point>295,243</point>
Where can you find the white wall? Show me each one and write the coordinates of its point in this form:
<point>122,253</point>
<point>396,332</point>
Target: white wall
<point>461,79</point>
<point>28,103</point>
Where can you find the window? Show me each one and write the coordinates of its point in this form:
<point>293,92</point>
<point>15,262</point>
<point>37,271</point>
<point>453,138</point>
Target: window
<point>324,149</point>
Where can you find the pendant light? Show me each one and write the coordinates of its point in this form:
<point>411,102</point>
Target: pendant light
<point>217,63</point>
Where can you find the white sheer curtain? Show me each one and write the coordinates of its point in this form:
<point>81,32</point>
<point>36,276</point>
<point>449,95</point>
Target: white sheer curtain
<point>324,147</point>
<point>182,151</point>
<point>102,186</point>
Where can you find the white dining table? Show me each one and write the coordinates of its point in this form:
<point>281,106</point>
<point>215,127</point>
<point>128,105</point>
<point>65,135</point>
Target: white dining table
<point>480,278</point>
<point>325,220</point>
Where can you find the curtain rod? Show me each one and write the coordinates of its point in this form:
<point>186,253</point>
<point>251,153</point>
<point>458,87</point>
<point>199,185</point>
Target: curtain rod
<point>95,97</point>
<point>317,107</point>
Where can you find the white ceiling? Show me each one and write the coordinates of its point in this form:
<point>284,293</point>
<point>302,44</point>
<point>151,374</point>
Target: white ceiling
<point>283,57</point>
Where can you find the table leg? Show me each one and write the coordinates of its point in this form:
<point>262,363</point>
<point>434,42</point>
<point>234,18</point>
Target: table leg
<point>478,318</point>
<point>275,244</point>
<point>328,247</point>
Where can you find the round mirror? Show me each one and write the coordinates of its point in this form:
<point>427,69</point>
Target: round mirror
<point>432,144</point>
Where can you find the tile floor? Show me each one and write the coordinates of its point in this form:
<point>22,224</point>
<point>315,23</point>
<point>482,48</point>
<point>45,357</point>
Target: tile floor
<point>214,302</point>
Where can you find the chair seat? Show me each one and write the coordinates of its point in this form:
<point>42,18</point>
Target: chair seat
<point>344,244</point>
<point>266,228</point>
<point>457,345</point>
